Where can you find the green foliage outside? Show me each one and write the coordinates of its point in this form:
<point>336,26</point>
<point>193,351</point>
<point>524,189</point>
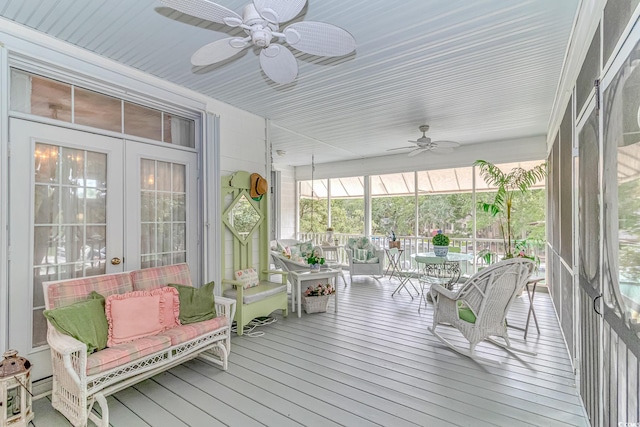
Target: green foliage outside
<point>452,213</point>
<point>629,232</point>
<point>347,216</point>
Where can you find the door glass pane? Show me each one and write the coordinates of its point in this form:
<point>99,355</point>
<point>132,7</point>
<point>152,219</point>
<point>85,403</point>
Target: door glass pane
<point>69,221</point>
<point>163,213</point>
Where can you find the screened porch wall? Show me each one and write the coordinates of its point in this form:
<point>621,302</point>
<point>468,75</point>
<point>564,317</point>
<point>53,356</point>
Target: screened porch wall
<point>591,219</point>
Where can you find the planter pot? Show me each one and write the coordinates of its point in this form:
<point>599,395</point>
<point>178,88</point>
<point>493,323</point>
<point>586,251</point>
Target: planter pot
<point>317,304</point>
<point>395,244</point>
<point>329,236</point>
<point>441,251</point>
<point>315,268</point>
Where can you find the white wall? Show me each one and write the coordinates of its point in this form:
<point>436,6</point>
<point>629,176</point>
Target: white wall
<point>242,147</point>
<point>522,149</point>
<point>287,209</point>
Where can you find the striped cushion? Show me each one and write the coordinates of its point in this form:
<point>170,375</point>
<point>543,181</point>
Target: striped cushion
<point>184,333</point>
<point>157,277</point>
<point>124,353</point>
<point>66,292</point>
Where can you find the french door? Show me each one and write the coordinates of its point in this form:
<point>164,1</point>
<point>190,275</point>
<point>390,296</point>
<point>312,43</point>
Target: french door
<point>82,204</point>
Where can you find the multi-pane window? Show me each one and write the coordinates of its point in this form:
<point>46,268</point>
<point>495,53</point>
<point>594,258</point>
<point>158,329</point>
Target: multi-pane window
<point>44,97</point>
<point>163,213</point>
<point>69,220</point>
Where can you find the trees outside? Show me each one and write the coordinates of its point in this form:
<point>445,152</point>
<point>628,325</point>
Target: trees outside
<point>347,216</point>
<point>450,212</point>
<point>393,214</point>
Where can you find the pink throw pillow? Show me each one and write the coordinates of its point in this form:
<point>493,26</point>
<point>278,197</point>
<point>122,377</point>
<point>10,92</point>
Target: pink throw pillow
<point>141,313</point>
<point>169,306</point>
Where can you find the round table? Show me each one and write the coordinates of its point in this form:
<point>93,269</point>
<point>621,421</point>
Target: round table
<point>444,271</point>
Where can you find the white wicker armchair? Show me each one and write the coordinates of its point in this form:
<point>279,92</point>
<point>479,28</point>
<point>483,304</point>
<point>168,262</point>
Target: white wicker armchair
<point>371,264</point>
<point>479,309</point>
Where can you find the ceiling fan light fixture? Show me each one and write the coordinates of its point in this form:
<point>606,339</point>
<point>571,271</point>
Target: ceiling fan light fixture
<point>261,20</point>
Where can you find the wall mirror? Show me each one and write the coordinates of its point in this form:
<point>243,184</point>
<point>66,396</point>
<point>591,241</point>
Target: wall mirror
<point>242,217</point>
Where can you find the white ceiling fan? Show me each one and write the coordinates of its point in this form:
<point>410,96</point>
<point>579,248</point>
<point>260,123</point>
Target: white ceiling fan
<point>261,21</point>
<point>424,144</point>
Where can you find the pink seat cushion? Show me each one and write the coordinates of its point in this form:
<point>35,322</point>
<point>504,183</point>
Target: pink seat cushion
<point>184,333</point>
<point>124,353</point>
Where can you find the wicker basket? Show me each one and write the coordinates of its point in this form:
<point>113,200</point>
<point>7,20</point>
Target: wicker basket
<point>317,304</point>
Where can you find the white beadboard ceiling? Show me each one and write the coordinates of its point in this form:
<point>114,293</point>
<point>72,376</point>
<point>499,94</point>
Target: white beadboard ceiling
<point>475,71</point>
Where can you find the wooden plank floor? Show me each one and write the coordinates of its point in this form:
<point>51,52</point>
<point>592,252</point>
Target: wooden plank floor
<point>373,363</point>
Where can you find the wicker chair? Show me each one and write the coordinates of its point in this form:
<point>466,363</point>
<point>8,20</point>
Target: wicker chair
<point>479,308</point>
<point>372,265</point>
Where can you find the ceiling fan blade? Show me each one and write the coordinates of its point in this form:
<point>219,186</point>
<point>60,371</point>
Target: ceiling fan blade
<point>279,10</point>
<point>451,144</point>
<point>204,9</point>
<point>417,151</point>
<point>318,38</point>
<point>217,51</point>
<point>438,149</point>
<point>400,148</point>
<point>279,64</point>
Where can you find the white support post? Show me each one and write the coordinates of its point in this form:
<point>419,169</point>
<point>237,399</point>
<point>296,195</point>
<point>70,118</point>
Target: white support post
<point>367,205</point>
<point>329,203</point>
<point>474,211</point>
<point>212,203</point>
<point>416,226</point>
<point>4,201</point>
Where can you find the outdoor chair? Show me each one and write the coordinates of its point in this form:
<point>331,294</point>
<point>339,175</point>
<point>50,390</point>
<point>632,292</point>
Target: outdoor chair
<point>365,258</point>
<point>479,308</point>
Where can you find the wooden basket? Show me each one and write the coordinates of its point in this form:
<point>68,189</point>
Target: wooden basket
<point>393,244</point>
<point>316,304</point>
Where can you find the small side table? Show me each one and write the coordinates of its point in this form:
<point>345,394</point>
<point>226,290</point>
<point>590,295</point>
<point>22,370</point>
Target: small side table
<point>531,293</point>
<point>394,262</point>
<point>302,276</point>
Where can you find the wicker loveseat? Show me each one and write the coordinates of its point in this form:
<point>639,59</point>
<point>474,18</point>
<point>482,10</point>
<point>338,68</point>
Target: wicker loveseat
<point>81,379</point>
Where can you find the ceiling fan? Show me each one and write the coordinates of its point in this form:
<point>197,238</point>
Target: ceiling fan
<point>424,144</point>
<point>261,21</point>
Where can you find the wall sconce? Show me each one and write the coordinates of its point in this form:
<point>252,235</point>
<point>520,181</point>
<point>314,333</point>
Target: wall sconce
<point>15,391</point>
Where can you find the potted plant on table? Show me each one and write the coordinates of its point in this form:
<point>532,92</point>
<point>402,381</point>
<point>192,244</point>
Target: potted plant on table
<point>440,244</point>
<point>316,298</point>
<point>315,261</point>
<point>393,242</point>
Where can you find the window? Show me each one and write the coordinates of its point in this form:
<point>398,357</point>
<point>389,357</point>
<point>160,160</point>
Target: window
<point>347,205</point>
<point>393,204</point>
<point>313,206</point>
<point>44,97</point>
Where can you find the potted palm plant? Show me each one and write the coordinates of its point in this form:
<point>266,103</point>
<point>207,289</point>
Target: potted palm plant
<point>440,244</point>
<point>507,184</point>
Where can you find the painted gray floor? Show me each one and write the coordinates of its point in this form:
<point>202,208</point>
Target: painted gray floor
<point>373,363</point>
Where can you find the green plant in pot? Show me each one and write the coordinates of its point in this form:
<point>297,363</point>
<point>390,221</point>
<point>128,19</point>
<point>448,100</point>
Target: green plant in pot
<point>440,244</point>
<point>507,185</point>
<point>315,262</point>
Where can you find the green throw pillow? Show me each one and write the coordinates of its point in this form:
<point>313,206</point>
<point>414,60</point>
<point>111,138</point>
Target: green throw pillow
<point>465,313</point>
<point>84,321</point>
<point>196,304</point>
